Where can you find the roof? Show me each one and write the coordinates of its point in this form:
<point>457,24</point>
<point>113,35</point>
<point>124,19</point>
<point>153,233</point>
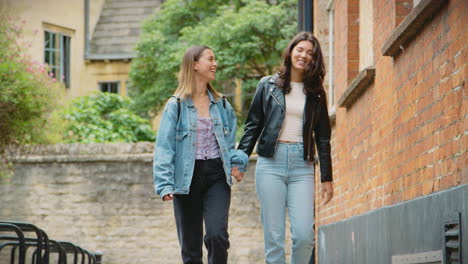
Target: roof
<point>118,28</point>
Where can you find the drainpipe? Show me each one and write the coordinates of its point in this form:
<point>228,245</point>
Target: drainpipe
<point>305,15</point>
<point>309,16</point>
<point>300,15</point>
<point>86,29</point>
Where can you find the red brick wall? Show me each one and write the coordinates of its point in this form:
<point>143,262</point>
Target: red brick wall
<point>402,8</point>
<point>405,136</point>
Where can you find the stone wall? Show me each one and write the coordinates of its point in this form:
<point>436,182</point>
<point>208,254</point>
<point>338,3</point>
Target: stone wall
<point>101,197</point>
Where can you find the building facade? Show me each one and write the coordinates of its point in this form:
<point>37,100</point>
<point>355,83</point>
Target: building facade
<point>396,74</point>
<point>88,45</point>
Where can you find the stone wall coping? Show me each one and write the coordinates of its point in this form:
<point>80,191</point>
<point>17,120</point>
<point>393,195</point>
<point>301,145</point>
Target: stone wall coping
<point>94,152</point>
<point>78,149</point>
<point>148,157</point>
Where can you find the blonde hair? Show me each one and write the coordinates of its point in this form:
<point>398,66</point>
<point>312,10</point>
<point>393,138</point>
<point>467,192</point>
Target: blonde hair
<point>186,87</point>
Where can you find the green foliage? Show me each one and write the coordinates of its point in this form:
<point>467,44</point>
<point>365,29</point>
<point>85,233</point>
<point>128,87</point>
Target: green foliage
<point>104,117</point>
<point>27,94</point>
<point>247,36</point>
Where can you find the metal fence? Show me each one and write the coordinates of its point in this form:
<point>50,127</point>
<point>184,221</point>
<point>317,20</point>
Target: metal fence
<point>28,242</point>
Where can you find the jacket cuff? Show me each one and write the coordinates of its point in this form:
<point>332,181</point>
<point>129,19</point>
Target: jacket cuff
<point>327,178</point>
<point>166,191</point>
<point>239,159</point>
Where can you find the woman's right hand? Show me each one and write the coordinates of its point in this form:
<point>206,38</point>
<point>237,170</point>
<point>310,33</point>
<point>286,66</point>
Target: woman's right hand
<point>168,197</point>
<point>236,173</point>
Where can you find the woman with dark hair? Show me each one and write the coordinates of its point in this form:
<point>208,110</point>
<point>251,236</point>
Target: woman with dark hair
<point>195,156</point>
<point>289,117</point>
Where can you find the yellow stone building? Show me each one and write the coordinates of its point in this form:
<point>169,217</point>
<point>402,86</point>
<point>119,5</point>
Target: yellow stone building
<point>88,44</point>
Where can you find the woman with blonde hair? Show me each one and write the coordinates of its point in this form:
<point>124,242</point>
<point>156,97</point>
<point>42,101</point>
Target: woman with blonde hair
<point>195,157</point>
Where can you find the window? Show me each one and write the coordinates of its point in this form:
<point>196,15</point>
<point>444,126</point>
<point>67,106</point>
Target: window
<point>109,87</point>
<point>331,51</point>
<point>57,55</point>
<point>361,54</point>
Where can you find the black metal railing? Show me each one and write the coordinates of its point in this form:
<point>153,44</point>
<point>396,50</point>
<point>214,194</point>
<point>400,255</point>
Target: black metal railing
<point>21,237</point>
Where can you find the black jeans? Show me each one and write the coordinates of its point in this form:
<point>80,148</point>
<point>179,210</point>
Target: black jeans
<point>209,200</point>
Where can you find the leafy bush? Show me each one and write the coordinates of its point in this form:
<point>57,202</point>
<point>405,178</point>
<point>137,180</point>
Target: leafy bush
<point>104,117</point>
<point>27,94</point>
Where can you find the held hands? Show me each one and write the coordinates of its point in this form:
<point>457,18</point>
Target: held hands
<point>168,197</point>
<point>235,172</point>
<point>327,191</point>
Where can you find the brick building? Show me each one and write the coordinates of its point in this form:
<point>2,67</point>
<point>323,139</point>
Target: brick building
<point>396,87</point>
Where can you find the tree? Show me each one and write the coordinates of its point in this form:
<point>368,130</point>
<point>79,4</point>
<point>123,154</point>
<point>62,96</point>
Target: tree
<point>247,36</point>
<point>104,117</point>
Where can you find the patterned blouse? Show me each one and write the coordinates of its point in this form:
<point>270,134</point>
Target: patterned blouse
<point>207,146</point>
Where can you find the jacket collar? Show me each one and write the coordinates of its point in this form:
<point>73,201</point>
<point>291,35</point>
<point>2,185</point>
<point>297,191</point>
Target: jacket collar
<point>272,84</point>
<point>212,99</point>
<point>273,78</point>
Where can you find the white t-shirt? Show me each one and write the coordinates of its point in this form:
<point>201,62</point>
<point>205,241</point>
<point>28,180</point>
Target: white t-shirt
<point>293,121</point>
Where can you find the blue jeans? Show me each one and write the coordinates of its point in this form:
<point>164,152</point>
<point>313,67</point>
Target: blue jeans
<point>286,181</point>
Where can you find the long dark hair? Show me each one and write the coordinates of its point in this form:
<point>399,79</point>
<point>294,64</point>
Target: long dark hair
<point>314,73</point>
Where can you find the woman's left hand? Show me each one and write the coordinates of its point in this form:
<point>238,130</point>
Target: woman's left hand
<point>327,191</point>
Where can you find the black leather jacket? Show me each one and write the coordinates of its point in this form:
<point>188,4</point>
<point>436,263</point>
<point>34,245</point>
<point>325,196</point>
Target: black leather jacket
<point>265,120</point>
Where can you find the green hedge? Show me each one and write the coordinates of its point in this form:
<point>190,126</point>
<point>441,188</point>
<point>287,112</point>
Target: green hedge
<point>104,117</point>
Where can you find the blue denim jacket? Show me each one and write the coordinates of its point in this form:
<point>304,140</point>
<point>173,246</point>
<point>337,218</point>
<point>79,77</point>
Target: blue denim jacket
<point>174,155</point>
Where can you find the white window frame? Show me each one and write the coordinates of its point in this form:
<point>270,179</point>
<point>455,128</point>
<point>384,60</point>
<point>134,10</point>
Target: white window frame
<point>366,34</point>
<point>331,55</point>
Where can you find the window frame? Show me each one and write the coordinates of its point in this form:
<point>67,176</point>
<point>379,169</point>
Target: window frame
<point>331,55</point>
<point>366,42</point>
<point>117,82</point>
<point>61,48</point>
